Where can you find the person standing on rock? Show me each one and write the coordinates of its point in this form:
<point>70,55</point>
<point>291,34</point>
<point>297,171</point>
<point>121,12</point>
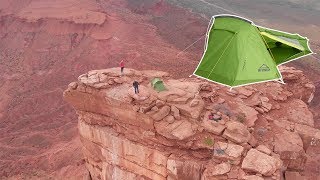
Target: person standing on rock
<point>136,87</point>
<point>122,66</point>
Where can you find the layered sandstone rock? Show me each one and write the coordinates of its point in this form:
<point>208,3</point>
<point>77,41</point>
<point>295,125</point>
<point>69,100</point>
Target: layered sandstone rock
<point>193,130</point>
<point>259,162</point>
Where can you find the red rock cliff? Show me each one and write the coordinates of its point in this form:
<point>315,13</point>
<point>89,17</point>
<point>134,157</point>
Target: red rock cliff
<point>260,132</point>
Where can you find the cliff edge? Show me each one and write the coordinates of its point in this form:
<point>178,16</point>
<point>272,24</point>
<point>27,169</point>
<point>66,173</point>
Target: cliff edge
<point>193,129</point>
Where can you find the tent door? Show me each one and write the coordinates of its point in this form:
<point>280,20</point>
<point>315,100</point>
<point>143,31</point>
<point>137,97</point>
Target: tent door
<point>281,48</point>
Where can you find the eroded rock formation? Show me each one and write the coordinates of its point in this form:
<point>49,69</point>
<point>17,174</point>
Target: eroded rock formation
<point>194,129</point>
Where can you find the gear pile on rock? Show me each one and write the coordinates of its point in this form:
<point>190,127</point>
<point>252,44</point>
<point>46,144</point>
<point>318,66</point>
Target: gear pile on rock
<point>194,129</point>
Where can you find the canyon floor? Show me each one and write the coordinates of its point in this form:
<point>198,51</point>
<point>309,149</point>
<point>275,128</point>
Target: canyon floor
<point>45,45</point>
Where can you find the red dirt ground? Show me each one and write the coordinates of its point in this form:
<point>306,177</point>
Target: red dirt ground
<point>40,53</point>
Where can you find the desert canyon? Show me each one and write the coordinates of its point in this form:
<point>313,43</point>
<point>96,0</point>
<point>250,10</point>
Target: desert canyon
<point>51,128</point>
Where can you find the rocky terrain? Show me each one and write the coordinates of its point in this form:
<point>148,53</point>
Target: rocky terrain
<point>194,129</point>
<point>45,44</point>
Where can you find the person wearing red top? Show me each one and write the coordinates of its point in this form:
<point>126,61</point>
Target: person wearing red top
<point>122,66</point>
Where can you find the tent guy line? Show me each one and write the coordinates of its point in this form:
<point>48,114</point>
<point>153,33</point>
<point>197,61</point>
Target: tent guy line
<point>190,45</point>
<point>315,57</point>
<point>219,7</point>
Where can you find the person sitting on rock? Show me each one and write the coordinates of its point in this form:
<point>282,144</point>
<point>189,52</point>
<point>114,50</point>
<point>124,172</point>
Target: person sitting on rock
<point>122,66</point>
<point>136,87</point>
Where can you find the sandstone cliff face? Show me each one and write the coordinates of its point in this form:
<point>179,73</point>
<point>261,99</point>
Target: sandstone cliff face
<point>41,40</point>
<point>260,131</point>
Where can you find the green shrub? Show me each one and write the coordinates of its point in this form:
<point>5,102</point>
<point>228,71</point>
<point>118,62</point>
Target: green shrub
<point>208,141</point>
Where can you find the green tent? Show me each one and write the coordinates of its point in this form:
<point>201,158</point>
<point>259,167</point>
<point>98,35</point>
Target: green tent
<point>157,84</point>
<point>238,52</point>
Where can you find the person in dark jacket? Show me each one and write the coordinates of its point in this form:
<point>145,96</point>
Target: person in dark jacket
<point>136,87</point>
<point>121,64</point>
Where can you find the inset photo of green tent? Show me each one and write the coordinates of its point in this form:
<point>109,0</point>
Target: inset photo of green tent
<point>238,52</point>
<point>158,85</point>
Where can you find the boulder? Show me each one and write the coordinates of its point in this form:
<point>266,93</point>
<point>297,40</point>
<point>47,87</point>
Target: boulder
<point>111,82</point>
<point>266,106</point>
<point>211,125</point>
<point>236,132</point>
<point>279,97</point>
<point>233,173</point>
<point>264,99</point>
<point>250,114</point>
<point>206,87</point>
<point>194,102</point>
<point>169,119</point>
<point>220,169</point>
<point>294,160</point>
<point>154,109</point>
<point>253,141</point>
<point>260,110</point>
<point>236,173</point>
<point>73,85</point>
<point>232,92</point>
<point>145,109</point>
<point>287,141</point>
<point>245,91</point>
<point>264,149</point>
<point>227,151</point>
<point>159,103</point>
<point>176,112</point>
<point>216,170</point>
<point>299,113</point>
<point>258,162</point>
<point>307,131</point>
<point>192,112</point>
<point>101,85</point>
<point>283,123</point>
<point>178,130</point>
<point>162,113</point>
<point>254,101</point>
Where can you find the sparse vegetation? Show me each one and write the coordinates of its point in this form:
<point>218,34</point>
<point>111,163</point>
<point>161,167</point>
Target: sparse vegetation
<point>241,117</point>
<point>208,141</point>
<point>224,109</point>
<point>219,151</point>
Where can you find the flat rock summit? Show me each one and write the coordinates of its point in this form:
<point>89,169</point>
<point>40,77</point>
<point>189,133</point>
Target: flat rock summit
<point>194,129</point>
